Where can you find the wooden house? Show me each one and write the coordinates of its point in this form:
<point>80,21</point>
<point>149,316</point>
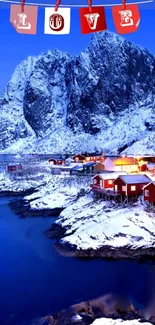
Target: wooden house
<point>149,192</point>
<point>76,170</point>
<point>89,167</point>
<point>79,158</point>
<point>14,167</point>
<point>56,161</point>
<point>127,164</point>
<point>130,185</point>
<point>94,157</point>
<point>105,180</point>
<point>99,167</point>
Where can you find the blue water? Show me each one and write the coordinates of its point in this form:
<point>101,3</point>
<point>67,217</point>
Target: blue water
<point>35,280</point>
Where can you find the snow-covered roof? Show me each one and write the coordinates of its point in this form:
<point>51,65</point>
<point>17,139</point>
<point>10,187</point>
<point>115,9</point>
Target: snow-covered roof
<point>14,164</point>
<point>150,165</point>
<point>135,179</point>
<point>77,168</point>
<point>105,176</point>
<point>152,182</point>
<point>90,163</point>
<point>55,159</point>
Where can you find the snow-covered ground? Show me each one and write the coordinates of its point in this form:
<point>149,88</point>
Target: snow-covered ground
<point>59,192</point>
<point>110,321</point>
<point>17,185</point>
<point>94,225</point>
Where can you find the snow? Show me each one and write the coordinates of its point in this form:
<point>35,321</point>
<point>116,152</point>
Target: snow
<point>58,192</point>
<point>94,225</point>
<point>109,321</point>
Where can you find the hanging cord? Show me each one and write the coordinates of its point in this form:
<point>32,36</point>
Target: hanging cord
<point>22,5</point>
<point>90,5</point>
<point>75,5</point>
<point>124,4</point>
<point>57,5</point>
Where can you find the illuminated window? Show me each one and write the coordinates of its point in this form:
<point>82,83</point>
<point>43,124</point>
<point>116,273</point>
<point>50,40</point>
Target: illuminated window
<point>147,193</point>
<point>133,188</point>
<point>95,181</point>
<point>123,188</point>
<point>110,181</point>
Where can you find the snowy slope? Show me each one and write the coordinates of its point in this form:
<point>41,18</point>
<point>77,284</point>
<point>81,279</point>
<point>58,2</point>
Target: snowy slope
<point>90,226</point>
<point>103,98</point>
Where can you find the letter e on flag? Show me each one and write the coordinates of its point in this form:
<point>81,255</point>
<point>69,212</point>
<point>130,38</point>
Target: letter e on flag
<point>93,21</point>
<point>126,20</point>
<point>24,22</point>
<point>57,22</point>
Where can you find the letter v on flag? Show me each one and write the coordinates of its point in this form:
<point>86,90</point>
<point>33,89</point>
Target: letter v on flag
<point>57,22</point>
<point>94,21</point>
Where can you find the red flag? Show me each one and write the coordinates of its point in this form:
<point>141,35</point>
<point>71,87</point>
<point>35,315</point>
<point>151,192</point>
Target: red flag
<point>24,21</point>
<point>92,21</point>
<point>126,20</point>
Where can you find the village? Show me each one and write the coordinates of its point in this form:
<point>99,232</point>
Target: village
<point>120,178</point>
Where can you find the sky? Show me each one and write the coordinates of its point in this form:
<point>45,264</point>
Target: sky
<point>15,47</point>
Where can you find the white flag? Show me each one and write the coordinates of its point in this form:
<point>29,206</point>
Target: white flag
<point>57,22</point>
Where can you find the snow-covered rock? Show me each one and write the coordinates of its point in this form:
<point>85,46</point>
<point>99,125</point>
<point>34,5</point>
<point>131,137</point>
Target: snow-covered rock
<point>58,192</point>
<point>103,98</point>
<point>109,321</point>
<point>100,229</point>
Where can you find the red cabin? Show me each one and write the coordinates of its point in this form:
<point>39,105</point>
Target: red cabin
<point>79,158</point>
<point>149,192</point>
<point>105,180</point>
<point>131,184</point>
<point>14,167</point>
<point>55,161</point>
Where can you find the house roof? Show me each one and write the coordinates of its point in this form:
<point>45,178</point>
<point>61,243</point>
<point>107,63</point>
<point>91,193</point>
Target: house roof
<point>79,154</point>
<point>77,168</point>
<point>124,161</point>
<point>14,164</point>
<point>150,165</point>
<point>152,182</point>
<point>89,164</point>
<point>135,179</point>
<point>55,159</point>
<point>112,175</point>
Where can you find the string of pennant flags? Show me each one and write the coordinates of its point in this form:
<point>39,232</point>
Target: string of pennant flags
<point>57,20</point>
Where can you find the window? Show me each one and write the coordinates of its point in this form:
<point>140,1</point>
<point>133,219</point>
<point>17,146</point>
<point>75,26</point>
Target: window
<point>95,181</point>
<point>116,188</point>
<point>101,184</point>
<point>133,188</point>
<point>147,193</point>
<point>110,181</point>
<point>123,188</point>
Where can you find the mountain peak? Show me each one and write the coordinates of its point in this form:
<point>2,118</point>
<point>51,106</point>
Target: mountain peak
<point>102,98</point>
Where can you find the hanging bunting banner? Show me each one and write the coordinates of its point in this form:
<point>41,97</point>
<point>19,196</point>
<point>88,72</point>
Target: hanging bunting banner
<point>126,18</point>
<point>92,19</point>
<point>24,18</point>
<point>57,20</point>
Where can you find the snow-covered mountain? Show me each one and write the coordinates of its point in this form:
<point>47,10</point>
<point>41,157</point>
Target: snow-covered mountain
<point>103,98</point>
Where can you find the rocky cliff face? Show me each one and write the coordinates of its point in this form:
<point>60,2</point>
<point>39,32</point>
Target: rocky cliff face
<point>102,98</point>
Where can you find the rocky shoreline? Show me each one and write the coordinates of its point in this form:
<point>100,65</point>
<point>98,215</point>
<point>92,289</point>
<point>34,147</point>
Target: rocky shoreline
<point>57,232</point>
<point>105,307</point>
<point>22,208</point>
